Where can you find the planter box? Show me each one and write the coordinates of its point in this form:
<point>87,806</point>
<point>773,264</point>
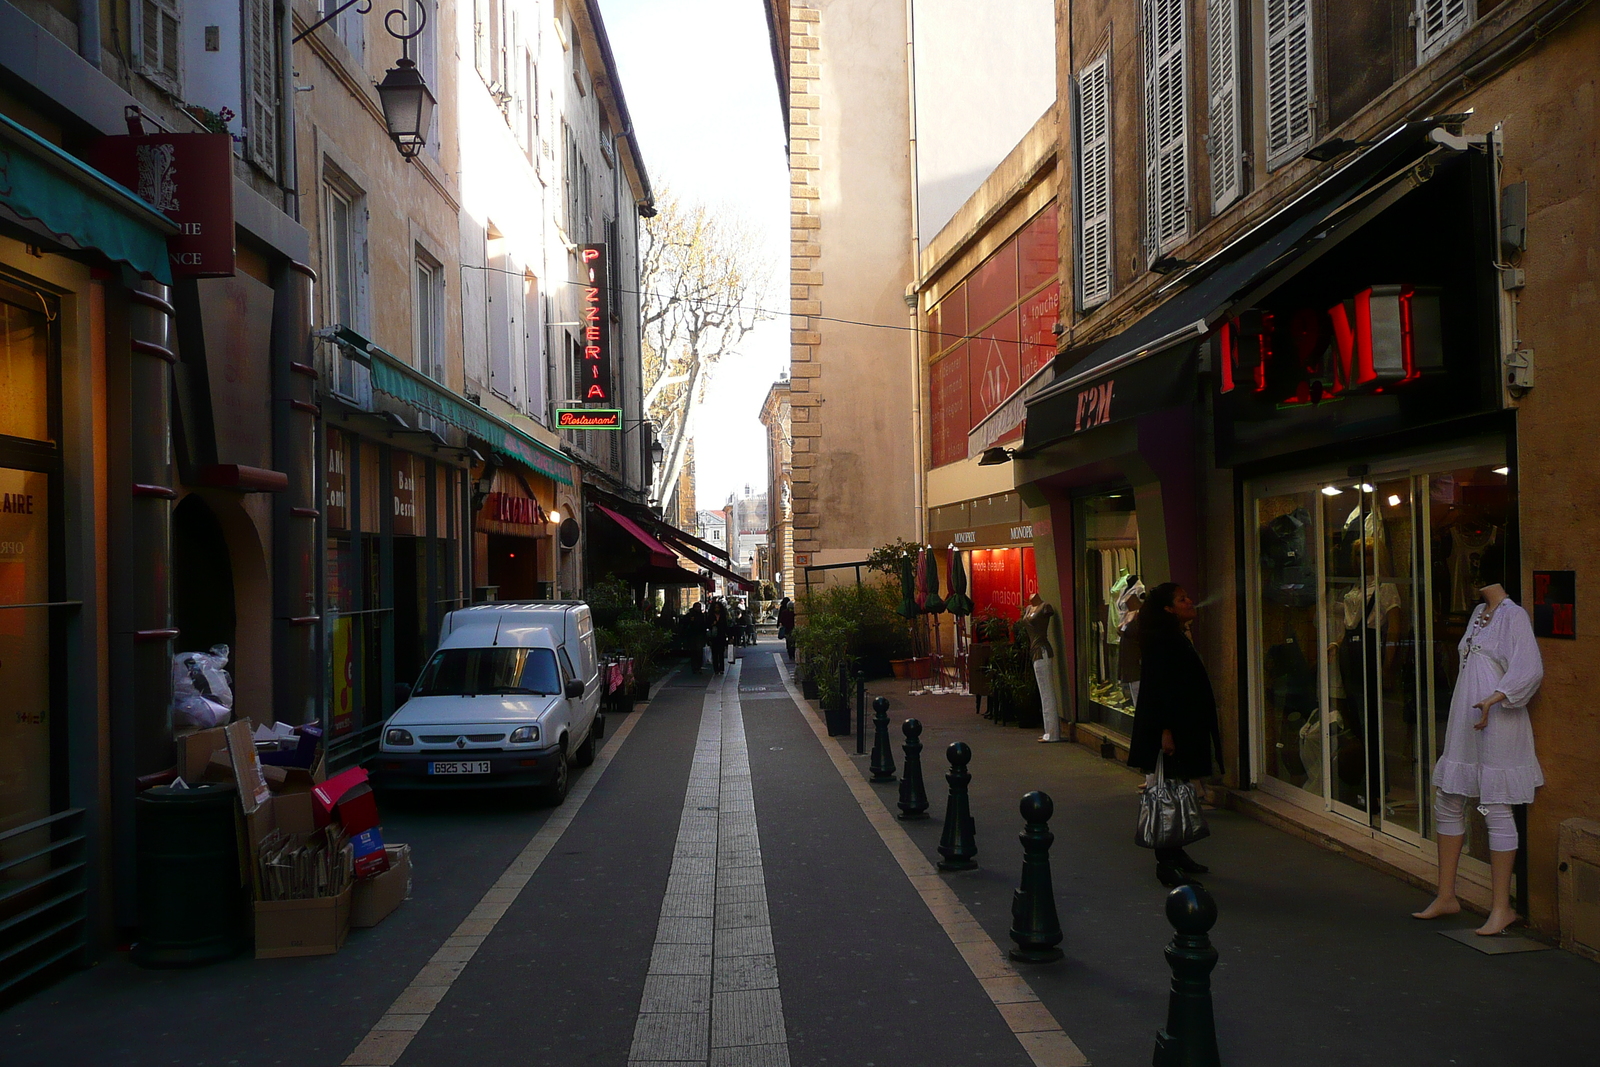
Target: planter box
<point>921,667</point>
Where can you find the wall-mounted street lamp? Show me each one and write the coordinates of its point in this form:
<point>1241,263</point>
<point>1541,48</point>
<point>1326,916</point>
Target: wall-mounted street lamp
<point>407,101</point>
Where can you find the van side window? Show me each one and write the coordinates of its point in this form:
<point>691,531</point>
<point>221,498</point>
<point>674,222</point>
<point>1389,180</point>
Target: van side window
<point>567,673</point>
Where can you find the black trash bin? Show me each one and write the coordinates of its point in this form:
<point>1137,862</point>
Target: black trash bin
<point>192,903</point>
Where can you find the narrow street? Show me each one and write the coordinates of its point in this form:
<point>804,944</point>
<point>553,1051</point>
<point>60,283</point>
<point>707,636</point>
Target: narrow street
<point>714,891</point>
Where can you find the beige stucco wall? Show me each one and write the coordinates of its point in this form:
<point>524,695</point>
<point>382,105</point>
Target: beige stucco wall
<point>853,388</point>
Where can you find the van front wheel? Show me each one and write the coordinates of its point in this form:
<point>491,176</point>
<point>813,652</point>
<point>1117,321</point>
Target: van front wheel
<point>556,791</point>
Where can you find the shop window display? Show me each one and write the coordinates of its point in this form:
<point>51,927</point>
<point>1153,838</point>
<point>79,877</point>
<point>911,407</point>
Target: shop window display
<point>1363,585</point>
<point>1111,592</point>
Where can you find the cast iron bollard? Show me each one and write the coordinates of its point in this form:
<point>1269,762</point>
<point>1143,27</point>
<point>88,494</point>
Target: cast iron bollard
<point>861,712</point>
<point>913,797</point>
<point>882,754</point>
<point>958,844</point>
<point>1034,926</point>
<point>1190,1037</point>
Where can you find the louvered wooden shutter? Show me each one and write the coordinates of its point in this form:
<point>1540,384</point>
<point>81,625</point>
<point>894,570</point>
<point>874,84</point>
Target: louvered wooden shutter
<point>261,118</point>
<point>1440,23</point>
<point>158,41</point>
<point>1291,97</point>
<point>1094,185</point>
<point>1225,144</point>
<point>482,13</point>
<point>1166,107</point>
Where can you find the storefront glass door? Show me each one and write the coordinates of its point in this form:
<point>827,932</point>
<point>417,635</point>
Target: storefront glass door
<point>1355,612</point>
<point>1110,592</point>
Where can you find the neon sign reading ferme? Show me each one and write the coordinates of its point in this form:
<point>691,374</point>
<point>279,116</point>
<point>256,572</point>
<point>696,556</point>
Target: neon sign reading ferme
<point>596,319</point>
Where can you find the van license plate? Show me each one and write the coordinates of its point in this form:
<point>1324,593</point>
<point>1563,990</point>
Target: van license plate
<point>475,766</point>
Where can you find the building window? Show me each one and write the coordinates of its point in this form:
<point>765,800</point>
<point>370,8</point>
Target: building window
<point>1224,142</point>
<point>1094,184</point>
<point>346,272</point>
<point>261,91</point>
<point>569,180</point>
<point>350,26</point>
<point>1166,125</point>
<point>160,47</point>
<point>430,310</point>
<point>1440,23</point>
<point>425,49</point>
<point>1291,96</point>
<point>585,200</point>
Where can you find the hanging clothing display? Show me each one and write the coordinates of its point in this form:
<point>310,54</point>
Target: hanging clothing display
<point>1113,598</point>
<point>1289,573</point>
<point>1468,543</point>
<point>1496,764</point>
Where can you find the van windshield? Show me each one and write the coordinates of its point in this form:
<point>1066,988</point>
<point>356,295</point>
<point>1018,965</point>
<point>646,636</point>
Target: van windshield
<point>469,672</point>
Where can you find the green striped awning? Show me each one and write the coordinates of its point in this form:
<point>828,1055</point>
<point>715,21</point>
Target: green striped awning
<point>395,378</point>
<point>79,204</point>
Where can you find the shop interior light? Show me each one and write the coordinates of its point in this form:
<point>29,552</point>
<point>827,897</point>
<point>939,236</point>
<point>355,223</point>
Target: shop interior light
<point>1394,500</point>
<point>1331,490</point>
<point>1366,487</point>
<point>1502,470</point>
<point>555,516</point>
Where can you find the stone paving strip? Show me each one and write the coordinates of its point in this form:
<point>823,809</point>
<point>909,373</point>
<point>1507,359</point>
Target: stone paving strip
<point>711,997</point>
<point>1045,1042</point>
<point>411,1010</point>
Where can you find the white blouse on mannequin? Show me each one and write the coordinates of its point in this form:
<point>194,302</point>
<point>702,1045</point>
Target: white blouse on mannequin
<point>1496,764</point>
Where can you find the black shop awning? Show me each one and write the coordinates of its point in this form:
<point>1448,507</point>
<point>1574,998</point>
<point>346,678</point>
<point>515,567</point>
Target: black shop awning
<point>1151,365</point>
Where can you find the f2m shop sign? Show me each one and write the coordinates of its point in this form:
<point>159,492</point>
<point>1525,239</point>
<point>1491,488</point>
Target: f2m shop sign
<point>1094,406</point>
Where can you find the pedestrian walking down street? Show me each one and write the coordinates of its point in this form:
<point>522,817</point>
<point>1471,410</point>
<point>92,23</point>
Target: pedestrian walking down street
<point>694,634</point>
<point>720,629</point>
<point>786,626</point>
<point>1176,715</point>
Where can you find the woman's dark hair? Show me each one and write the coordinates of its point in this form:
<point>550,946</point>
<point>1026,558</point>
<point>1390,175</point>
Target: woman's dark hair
<point>1154,616</point>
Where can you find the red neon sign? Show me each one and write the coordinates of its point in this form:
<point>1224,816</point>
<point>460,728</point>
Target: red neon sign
<point>596,319</point>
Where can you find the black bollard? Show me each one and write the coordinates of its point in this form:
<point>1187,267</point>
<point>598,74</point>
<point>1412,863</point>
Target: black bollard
<point>958,844</point>
<point>1034,926</point>
<point>1190,1037</point>
<point>913,797</point>
<point>861,712</point>
<point>882,754</point>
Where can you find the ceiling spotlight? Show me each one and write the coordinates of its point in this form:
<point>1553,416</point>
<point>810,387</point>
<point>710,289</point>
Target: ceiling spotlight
<point>555,516</point>
<point>1366,487</point>
<point>1502,470</point>
<point>1394,500</point>
<point>1332,490</point>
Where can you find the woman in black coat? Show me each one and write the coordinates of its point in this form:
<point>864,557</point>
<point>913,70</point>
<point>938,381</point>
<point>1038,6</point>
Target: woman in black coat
<point>1177,713</point>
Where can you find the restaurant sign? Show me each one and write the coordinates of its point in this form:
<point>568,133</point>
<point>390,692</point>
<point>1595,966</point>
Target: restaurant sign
<point>588,419</point>
<point>595,317</point>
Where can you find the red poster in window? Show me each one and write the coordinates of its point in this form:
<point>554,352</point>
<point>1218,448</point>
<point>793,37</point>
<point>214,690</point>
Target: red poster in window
<point>1030,574</point>
<point>992,288</point>
<point>1039,251</point>
<point>948,400</point>
<point>949,322</point>
<point>1040,312</point>
<point>997,582</point>
<point>992,367</point>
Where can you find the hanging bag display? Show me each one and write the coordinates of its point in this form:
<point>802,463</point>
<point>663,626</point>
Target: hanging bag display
<point>1169,813</point>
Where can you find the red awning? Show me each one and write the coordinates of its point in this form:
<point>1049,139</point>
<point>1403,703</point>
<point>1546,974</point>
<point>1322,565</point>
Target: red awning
<point>660,554</point>
<point>741,580</point>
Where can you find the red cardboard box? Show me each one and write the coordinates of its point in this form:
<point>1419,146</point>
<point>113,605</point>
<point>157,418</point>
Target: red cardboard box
<point>346,797</point>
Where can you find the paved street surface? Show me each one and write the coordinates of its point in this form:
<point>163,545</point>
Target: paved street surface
<point>715,891</point>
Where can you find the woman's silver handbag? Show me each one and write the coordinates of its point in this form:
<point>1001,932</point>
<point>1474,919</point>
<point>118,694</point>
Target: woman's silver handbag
<point>1169,813</point>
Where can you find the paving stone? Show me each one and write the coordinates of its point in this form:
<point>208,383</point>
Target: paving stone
<point>746,941</point>
<point>680,959</point>
<point>749,1017</point>
<point>679,993</point>
<point>683,930</point>
<point>670,1037</point>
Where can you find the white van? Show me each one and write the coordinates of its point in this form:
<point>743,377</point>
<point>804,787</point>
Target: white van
<point>510,699</point>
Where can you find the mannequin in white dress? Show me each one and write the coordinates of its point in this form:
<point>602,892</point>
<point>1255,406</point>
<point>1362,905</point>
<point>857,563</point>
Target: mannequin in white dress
<point>1488,750</point>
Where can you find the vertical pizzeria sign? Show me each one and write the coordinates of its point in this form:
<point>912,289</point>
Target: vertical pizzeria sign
<point>596,319</point>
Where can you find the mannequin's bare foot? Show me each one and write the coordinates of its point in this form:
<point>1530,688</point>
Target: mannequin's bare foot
<point>1498,920</point>
<point>1440,906</point>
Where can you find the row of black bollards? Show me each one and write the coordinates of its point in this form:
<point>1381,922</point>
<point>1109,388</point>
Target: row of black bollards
<point>1190,1037</point>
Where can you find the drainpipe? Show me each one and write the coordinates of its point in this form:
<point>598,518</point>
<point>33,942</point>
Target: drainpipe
<point>89,31</point>
<point>912,297</point>
<point>297,522</point>
<point>139,484</point>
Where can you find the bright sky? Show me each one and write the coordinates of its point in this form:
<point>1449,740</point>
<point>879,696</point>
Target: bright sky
<point>699,83</point>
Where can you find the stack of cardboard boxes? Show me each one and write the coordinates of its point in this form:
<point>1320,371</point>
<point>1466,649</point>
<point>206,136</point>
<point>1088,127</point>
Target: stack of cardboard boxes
<point>315,855</point>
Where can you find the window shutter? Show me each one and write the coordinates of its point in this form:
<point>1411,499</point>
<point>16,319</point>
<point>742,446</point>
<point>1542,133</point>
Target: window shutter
<point>1094,185</point>
<point>499,315</point>
<point>1166,125</point>
<point>533,326</point>
<point>261,119</point>
<point>1290,96</point>
<point>1222,76</point>
<point>481,14</point>
<point>159,37</point>
<point>1441,23</point>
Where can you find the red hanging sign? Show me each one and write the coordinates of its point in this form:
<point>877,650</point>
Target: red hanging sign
<point>189,178</point>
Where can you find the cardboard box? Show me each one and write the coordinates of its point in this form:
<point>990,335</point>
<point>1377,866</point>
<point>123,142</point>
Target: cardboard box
<point>194,753</point>
<point>253,791</point>
<point>347,797</point>
<point>314,927</point>
<point>370,857</point>
<point>377,896</point>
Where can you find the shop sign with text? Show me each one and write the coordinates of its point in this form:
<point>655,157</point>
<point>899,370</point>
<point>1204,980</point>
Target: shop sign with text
<point>588,418</point>
<point>189,178</point>
<point>595,317</point>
